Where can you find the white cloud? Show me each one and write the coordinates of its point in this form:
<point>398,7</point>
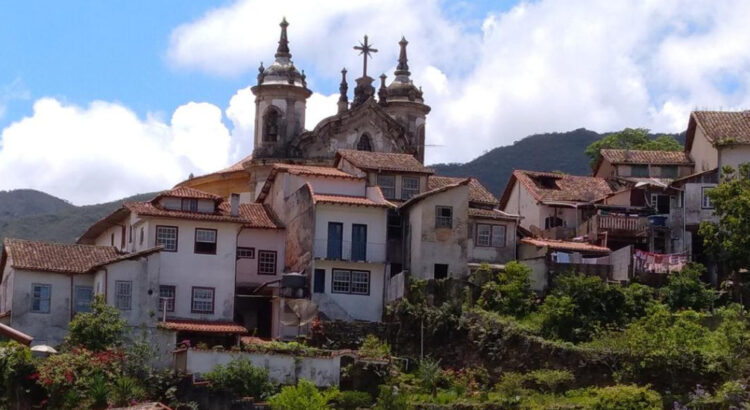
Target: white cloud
<point>15,90</point>
<point>104,151</point>
<point>541,66</point>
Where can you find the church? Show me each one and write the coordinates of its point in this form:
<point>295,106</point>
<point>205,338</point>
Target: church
<point>391,120</point>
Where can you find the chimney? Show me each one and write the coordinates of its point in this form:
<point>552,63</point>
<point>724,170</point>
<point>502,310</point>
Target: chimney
<point>234,201</point>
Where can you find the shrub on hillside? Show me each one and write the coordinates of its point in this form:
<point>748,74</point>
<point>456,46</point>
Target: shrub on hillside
<point>303,396</point>
<point>686,291</point>
<point>241,378</point>
<point>510,293</point>
<point>627,397</point>
<point>98,330</point>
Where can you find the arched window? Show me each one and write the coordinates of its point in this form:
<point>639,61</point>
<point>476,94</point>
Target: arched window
<point>271,121</point>
<point>364,143</point>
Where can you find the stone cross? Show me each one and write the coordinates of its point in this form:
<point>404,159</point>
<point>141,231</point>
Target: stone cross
<point>364,50</point>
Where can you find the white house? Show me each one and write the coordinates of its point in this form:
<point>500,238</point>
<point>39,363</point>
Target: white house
<point>212,249</point>
<point>45,284</point>
<point>718,138</point>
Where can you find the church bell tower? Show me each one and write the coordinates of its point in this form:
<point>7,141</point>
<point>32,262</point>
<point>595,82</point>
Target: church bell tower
<point>280,102</point>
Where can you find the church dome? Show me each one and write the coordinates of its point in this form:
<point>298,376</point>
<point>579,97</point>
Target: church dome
<point>282,70</point>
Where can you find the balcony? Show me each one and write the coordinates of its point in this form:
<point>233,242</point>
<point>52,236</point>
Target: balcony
<point>615,225</point>
<point>336,250</point>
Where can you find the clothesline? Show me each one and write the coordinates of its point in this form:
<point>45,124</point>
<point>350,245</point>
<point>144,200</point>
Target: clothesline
<point>651,262</point>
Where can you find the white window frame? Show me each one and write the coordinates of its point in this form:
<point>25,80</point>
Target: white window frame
<point>80,307</point>
<point>411,190</point>
<point>265,262</point>
<point>389,191</point>
<point>164,237</point>
<point>705,199</point>
<point>189,205</point>
<point>205,235</point>
<point>124,294</point>
<point>202,301</point>
<point>442,221</point>
<point>168,300</point>
<point>352,282</point>
<point>341,281</point>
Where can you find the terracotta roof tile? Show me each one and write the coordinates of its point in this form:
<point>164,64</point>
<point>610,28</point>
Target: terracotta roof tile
<point>187,192</point>
<point>565,245</point>
<point>253,215</point>
<point>62,258</point>
<point>550,187</point>
<point>724,126</point>
<point>203,326</point>
<point>384,161</point>
<point>313,170</point>
<point>349,200</point>
<point>625,156</point>
<point>491,214</point>
<point>477,192</point>
<point>416,198</point>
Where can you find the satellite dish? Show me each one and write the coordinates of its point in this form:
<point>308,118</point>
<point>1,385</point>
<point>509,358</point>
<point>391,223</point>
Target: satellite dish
<point>303,312</point>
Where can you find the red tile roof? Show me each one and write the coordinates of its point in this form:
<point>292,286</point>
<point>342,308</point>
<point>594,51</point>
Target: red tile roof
<point>560,245</point>
<point>630,156</point>
<point>723,127</point>
<point>416,198</point>
<point>186,192</point>
<point>252,215</point>
<point>349,200</point>
<point>477,192</point>
<point>63,258</point>
<point>313,170</point>
<point>203,326</point>
<point>383,161</point>
<point>553,187</point>
<point>491,214</point>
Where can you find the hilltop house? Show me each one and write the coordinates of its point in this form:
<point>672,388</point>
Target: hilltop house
<point>718,138</point>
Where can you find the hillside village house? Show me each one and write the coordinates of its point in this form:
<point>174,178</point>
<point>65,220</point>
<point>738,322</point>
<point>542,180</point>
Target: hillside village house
<point>212,250</point>
<point>716,139</point>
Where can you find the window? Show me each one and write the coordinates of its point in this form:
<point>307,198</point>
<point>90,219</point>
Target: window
<point>166,236</point>
<point>319,282</point>
<point>394,224</point>
<point>335,240</point>
<point>441,271</point>
<point>266,262</point>
<point>706,200</point>
<point>660,203</point>
<point>669,171</point>
<point>141,234</point>
<point>271,125</point>
<point>355,282</point>
<point>203,300</point>
<point>387,184</point>
<point>83,297</point>
<point>205,241</point>
<point>166,297</point>
<point>409,187</point>
<point>123,294</point>
<point>552,221</point>
<point>364,143</point>
<point>443,217</point>
<point>639,170</point>
<point>130,234</point>
<point>40,297</point>
<point>112,240</point>
<point>490,235</point>
<point>189,205</point>
<point>245,253</point>
<point>359,242</point>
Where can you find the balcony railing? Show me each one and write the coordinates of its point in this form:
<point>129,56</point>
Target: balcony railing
<point>631,225</point>
<point>353,251</point>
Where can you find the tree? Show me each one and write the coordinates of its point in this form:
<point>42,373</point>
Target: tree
<point>98,330</point>
<point>728,240</point>
<point>511,293</point>
<point>303,396</point>
<point>686,291</point>
<point>631,138</point>
<point>241,378</point>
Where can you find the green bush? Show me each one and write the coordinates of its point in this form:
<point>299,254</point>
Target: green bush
<point>17,367</point>
<point>550,381</point>
<point>98,330</point>
<point>429,375</point>
<point>372,347</point>
<point>686,291</point>
<point>510,293</point>
<point>638,298</point>
<point>126,390</point>
<point>241,378</point>
<point>350,400</point>
<point>391,398</point>
<point>511,384</point>
<point>628,397</point>
<point>303,396</point>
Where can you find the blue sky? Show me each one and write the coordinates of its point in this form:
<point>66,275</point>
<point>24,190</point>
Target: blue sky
<point>99,100</point>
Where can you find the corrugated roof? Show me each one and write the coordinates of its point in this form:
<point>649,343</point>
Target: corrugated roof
<point>384,161</point>
<point>629,156</point>
<point>477,192</point>
<point>551,187</point>
<point>560,245</point>
<point>203,326</point>
<point>63,258</point>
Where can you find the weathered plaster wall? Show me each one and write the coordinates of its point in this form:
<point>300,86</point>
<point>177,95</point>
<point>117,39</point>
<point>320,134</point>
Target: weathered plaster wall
<point>285,369</point>
<point>733,155</point>
<point>144,275</point>
<point>535,258</point>
<point>444,245</point>
<point>373,217</point>
<point>260,239</point>
<point>494,254</point>
<point>358,307</point>
<point>703,153</point>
